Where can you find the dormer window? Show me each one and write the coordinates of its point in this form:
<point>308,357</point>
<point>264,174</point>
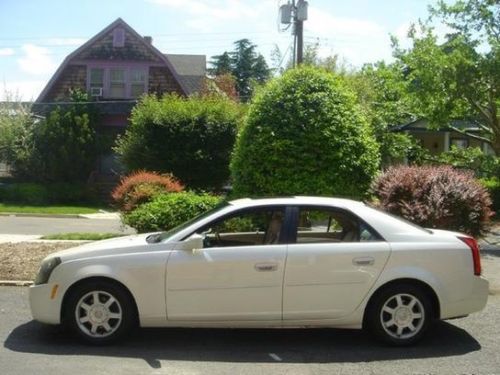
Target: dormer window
<point>118,37</point>
<point>118,81</point>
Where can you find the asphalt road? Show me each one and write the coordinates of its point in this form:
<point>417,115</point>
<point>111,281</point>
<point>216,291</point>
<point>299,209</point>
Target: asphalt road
<point>44,225</point>
<point>464,346</point>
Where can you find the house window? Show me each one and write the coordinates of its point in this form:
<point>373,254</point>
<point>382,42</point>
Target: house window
<point>137,82</point>
<point>96,78</point>
<point>118,37</point>
<point>459,142</point>
<point>117,83</point>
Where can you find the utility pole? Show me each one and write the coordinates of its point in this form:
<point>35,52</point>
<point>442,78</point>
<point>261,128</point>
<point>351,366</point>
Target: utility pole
<point>295,13</point>
<point>299,16</point>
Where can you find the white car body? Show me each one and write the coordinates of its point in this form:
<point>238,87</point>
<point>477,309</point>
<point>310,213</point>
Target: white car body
<point>307,285</point>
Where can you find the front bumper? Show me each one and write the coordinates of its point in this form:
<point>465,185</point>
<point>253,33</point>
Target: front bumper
<point>44,308</point>
<point>476,301</point>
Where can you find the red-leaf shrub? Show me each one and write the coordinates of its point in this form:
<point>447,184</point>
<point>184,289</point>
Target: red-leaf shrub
<point>141,187</point>
<point>435,197</point>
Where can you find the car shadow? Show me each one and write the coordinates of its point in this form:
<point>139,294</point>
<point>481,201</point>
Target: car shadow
<point>243,345</point>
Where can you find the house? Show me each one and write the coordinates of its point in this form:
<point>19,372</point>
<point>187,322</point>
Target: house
<point>116,67</point>
<point>441,140</point>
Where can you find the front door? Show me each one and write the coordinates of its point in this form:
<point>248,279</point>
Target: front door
<point>237,275</point>
<point>332,265</point>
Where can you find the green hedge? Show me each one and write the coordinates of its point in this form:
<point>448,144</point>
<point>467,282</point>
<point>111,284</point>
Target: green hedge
<point>166,211</point>
<point>40,194</point>
<point>189,138</point>
<point>493,186</point>
<point>305,134</point>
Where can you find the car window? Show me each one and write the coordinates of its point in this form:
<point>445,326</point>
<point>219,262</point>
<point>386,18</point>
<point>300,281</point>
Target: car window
<point>247,228</point>
<point>321,225</point>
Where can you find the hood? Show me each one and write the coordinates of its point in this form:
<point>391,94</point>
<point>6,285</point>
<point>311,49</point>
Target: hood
<point>113,246</point>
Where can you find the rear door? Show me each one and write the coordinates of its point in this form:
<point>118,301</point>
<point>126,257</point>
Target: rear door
<point>332,263</point>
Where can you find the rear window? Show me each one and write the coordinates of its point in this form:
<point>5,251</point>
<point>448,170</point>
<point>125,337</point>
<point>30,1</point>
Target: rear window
<point>400,219</point>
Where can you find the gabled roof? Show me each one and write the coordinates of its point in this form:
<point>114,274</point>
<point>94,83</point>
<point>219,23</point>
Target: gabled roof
<point>191,70</point>
<point>106,30</point>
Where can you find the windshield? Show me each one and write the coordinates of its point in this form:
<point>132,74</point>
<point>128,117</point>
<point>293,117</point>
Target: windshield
<point>159,237</point>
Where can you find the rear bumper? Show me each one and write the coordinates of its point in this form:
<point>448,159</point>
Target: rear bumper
<point>43,308</point>
<point>476,301</point>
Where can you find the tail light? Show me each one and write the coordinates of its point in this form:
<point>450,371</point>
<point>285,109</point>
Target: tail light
<point>472,243</point>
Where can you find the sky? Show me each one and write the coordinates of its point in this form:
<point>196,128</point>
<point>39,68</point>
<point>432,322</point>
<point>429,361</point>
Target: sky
<point>36,35</point>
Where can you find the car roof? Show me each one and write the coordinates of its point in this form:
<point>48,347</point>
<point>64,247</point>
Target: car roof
<point>301,200</point>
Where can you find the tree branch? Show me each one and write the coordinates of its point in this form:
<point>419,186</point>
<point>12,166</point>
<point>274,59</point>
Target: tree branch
<point>475,136</point>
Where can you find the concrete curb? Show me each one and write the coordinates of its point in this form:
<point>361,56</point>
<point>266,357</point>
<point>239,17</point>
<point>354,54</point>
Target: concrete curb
<point>16,282</point>
<point>56,216</point>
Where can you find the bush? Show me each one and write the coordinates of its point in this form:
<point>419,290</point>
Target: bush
<point>493,186</point>
<point>190,138</point>
<point>472,158</point>
<point>436,197</point>
<point>140,187</point>
<point>304,134</point>
<point>41,194</point>
<point>166,211</point>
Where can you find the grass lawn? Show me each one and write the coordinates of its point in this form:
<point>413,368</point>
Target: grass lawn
<point>81,236</point>
<point>19,208</point>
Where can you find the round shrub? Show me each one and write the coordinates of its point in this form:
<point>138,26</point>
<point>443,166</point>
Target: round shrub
<point>304,134</point>
<point>141,186</point>
<point>191,138</point>
<point>434,197</point>
<point>166,211</point>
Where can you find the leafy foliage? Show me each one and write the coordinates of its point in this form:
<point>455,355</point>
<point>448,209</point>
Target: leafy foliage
<point>435,197</point>
<point>48,193</point>
<point>472,158</point>
<point>304,134</point>
<point>458,78</point>
<point>140,187</point>
<point>62,147</point>
<point>189,138</point>
<point>493,186</point>
<point>245,65</point>
<point>166,211</point>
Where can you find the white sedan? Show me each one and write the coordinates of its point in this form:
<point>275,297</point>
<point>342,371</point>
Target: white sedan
<point>282,262</point>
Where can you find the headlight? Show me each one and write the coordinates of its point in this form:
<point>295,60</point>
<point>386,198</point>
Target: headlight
<point>46,269</point>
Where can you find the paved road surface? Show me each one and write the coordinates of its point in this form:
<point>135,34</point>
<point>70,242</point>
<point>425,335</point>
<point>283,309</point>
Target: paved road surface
<point>39,225</point>
<point>465,346</point>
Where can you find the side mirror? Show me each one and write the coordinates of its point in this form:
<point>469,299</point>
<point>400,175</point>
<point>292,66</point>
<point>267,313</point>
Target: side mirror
<point>195,242</point>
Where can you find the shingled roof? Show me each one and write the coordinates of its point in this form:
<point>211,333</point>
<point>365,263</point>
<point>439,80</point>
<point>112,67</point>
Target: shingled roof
<point>190,69</point>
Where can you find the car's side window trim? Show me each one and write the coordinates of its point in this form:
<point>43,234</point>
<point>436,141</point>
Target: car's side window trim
<point>283,233</point>
<point>296,213</point>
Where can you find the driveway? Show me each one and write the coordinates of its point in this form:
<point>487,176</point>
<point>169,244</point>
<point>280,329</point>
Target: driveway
<point>463,346</point>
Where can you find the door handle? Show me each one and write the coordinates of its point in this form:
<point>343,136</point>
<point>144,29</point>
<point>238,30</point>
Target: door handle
<point>266,267</point>
<point>363,261</point>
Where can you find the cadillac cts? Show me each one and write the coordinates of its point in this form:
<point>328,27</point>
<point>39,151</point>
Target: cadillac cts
<point>283,262</point>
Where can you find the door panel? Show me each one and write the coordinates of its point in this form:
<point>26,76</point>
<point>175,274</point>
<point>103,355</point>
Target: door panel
<point>329,280</point>
<point>226,283</point>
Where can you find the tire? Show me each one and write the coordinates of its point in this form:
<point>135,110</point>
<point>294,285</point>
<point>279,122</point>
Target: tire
<point>99,312</point>
<point>399,314</point>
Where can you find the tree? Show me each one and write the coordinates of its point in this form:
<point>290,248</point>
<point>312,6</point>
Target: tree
<point>245,64</point>
<point>67,145</point>
<point>304,134</point>
<point>460,77</point>
<point>191,138</point>
<point>221,64</point>
<point>382,94</point>
<point>62,147</point>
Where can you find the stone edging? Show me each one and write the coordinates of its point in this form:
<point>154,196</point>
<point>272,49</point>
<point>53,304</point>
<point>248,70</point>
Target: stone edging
<point>16,282</point>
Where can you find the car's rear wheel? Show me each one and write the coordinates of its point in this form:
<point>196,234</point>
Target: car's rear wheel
<point>399,314</point>
<point>99,312</point>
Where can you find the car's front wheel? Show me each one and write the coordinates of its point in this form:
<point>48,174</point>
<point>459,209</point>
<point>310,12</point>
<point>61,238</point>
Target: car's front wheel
<point>399,314</point>
<point>99,312</point>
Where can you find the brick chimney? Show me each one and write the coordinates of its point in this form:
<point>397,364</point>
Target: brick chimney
<point>148,39</point>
